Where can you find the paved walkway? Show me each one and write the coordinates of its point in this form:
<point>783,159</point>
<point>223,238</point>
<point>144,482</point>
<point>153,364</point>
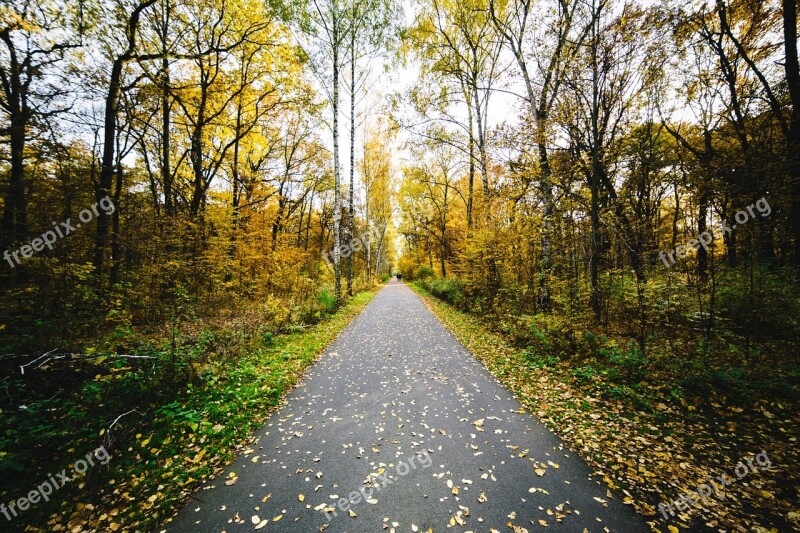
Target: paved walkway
<point>398,427</point>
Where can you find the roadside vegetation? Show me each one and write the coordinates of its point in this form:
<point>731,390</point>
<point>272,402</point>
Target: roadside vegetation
<point>654,427</point>
<point>171,412</point>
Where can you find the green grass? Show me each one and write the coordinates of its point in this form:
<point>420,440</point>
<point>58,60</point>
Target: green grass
<point>162,452</point>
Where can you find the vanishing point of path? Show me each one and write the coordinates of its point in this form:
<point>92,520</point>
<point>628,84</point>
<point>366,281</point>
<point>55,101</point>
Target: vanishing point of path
<point>400,419</point>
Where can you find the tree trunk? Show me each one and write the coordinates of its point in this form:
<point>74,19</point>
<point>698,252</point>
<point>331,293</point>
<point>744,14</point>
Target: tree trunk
<point>196,157</point>
<point>471,193</point>
<point>481,145</point>
<point>278,224</point>
<point>166,172</point>
<point>14,224</point>
<point>596,299</point>
<point>108,161</point>
<point>443,244</point>
<point>547,217</point>
<point>110,136</point>
<point>792,68</point>
<point>337,200</point>
<point>15,214</point>
<point>116,240</point>
<point>235,186</point>
<point>702,213</point>
<point>351,221</point>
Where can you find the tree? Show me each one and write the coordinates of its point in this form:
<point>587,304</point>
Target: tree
<point>596,109</point>
<point>36,38</point>
<point>792,70</point>
<point>128,54</point>
<point>222,41</point>
<point>455,41</point>
<point>460,53</point>
<point>326,26</point>
<point>376,172</point>
<point>513,19</point>
<point>372,26</point>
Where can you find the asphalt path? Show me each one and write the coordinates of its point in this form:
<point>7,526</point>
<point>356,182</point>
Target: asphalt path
<point>397,427</point>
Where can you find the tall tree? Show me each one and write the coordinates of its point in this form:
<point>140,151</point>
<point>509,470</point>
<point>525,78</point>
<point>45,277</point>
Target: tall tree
<point>372,26</point>
<point>457,45</point>
<point>326,27</point>
<point>792,70</point>
<point>513,20</point>
<point>602,98</point>
<point>35,38</point>
<point>130,23</point>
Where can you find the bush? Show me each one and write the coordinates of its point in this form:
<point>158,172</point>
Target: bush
<point>536,361</point>
<point>448,290</point>
<point>423,272</point>
<point>538,336</point>
<point>733,380</point>
<point>584,374</point>
<point>327,301</point>
<point>771,311</point>
<point>631,361</point>
<point>551,333</point>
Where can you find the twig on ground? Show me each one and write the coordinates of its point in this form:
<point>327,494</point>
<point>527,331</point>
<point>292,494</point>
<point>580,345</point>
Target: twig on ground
<point>46,354</point>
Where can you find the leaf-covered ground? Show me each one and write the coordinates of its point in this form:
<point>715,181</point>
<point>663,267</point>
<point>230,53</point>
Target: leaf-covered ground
<point>160,453</point>
<point>651,442</point>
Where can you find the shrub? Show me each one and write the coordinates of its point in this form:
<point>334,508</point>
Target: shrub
<point>630,361</point>
<point>584,374</point>
<point>536,361</point>
<point>327,301</point>
<point>591,341</point>
<point>730,379</point>
<point>423,272</point>
<point>448,290</point>
<point>552,333</point>
<point>540,338</point>
<point>275,312</point>
<point>771,310</point>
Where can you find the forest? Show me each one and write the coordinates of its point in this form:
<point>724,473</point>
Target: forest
<point>600,198</point>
